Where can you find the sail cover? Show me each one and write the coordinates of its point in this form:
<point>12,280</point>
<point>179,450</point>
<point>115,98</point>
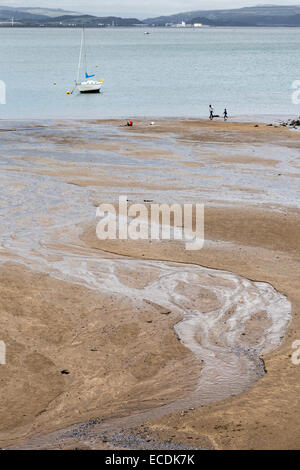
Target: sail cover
<point>89,76</point>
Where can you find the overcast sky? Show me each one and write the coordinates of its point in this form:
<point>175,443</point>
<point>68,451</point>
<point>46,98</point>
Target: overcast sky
<point>141,8</point>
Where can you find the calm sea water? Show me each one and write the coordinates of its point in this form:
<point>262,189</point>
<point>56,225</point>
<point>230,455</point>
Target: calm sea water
<point>167,73</point>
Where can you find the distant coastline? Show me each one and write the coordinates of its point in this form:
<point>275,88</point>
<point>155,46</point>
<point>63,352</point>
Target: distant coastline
<point>260,16</point>
<point>139,26</point>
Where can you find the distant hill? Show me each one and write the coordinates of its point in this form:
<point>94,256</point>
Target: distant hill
<point>8,14</point>
<point>35,11</point>
<point>46,11</point>
<point>262,15</point>
<point>30,16</point>
<point>92,21</point>
<point>291,21</point>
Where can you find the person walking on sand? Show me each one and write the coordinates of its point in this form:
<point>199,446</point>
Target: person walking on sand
<point>225,114</point>
<point>211,112</point>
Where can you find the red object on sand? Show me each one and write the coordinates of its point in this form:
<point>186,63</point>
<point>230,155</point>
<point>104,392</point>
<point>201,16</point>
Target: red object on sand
<point>130,123</point>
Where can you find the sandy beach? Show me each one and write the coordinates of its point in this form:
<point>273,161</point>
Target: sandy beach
<point>143,344</point>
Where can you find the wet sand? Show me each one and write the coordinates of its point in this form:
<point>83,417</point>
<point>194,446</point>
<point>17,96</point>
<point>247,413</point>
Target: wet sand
<point>159,342</point>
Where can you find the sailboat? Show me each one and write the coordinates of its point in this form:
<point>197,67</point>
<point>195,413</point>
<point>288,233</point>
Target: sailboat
<point>88,85</point>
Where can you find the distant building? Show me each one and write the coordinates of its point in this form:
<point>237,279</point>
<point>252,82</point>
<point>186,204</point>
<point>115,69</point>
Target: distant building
<point>183,24</point>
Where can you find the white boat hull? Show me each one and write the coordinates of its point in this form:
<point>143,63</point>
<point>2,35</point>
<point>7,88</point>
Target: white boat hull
<point>89,86</point>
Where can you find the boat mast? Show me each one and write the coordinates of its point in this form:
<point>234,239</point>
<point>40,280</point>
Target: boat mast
<point>80,56</point>
<point>85,59</point>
